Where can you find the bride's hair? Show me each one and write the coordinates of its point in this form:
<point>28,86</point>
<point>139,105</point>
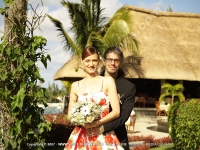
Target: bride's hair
<point>88,51</point>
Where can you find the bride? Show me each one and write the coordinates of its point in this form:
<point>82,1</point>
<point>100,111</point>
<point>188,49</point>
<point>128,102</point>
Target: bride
<point>98,89</point>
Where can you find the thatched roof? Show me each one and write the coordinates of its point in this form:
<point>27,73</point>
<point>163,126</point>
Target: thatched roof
<point>71,69</point>
<point>169,44</point>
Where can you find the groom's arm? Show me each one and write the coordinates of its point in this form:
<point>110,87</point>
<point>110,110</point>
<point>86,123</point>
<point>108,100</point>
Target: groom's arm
<point>125,110</point>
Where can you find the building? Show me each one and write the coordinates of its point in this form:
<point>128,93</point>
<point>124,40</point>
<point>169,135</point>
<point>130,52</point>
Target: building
<point>169,47</point>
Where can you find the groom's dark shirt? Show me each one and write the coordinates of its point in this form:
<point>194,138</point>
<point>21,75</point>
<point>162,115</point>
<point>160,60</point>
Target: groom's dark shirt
<point>127,91</point>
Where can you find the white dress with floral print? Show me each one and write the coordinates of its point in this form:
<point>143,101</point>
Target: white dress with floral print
<point>79,140</point>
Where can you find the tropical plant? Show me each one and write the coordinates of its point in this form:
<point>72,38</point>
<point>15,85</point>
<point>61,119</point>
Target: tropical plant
<point>21,120</point>
<point>68,85</point>
<point>90,28</point>
<point>172,90</point>
<point>184,124</point>
<point>53,92</point>
<point>169,9</point>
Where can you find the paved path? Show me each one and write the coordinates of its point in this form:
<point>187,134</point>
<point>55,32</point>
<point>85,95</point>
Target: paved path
<point>147,128</point>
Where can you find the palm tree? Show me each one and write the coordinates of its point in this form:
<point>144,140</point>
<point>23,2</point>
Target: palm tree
<point>172,90</point>
<point>90,28</point>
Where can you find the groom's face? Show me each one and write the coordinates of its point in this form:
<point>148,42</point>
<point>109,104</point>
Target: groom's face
<point>112,63</point>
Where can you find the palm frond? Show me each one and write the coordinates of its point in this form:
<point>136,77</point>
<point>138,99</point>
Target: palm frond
<point>97,41</point>
<point>86,18</point>
<point>180,96</point>
<point>179,87</point>
<point>66,39</point>
<point>78,21</point>
<point>129,42</point>
<point>174,90</point>
<point>115,32</point>
<point>132,66</point>
<point>119,28</point>
<point>163,96</point>
<point>89,28</point>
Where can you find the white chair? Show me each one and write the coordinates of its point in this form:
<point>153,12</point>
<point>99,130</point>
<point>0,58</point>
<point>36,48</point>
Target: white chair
<point>130,123</point>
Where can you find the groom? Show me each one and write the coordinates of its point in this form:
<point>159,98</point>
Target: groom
<point>113,58</point>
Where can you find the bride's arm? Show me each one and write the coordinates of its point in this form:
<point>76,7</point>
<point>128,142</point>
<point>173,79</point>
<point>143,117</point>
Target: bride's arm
<point>110,87</point>
<point>73,97</point>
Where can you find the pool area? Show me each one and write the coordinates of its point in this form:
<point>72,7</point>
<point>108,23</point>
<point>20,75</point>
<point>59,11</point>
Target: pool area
<point>53,110</point>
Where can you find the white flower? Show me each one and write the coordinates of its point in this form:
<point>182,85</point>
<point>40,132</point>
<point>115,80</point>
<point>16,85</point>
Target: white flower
<point>85,110</point>
<point>90,118</point>
<point>73,110</point>
<point>120,98</point>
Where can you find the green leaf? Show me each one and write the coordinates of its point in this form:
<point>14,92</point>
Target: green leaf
<point>12,130</point>
<point>17,51</point>
<point>44,61</point>
<point>19,141</point>
<point>20,97</point>
<point>36,73</point>
<point>7,144</point>
<point>25,63</point>
<point>48,57</point>
<point>30,132</point>
<point>8,51</point>
<point>6,93</point>
<point>21,58</point>
<point>28,118</point>
<point>15,109</point>
<point>19,126</point>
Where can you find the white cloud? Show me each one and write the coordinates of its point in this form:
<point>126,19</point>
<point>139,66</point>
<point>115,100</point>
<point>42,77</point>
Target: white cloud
<point>58,55</point>
<point>50,3</point>
<point>158,6</point>
<point>48,31</point>
<point>111,6</point>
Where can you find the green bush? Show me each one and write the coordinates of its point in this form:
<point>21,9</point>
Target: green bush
<point>60,131</point>
<point>184,124</point>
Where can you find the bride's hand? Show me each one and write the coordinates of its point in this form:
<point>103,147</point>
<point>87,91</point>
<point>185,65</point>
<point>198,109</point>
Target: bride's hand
<point>93,124</point>
<point>97,118</point>
<point>87,125</point>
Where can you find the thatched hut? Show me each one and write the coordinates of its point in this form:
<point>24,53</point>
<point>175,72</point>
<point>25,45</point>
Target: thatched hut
<point>169,44</point>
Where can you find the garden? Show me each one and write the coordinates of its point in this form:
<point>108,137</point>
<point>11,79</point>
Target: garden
<point>183,122</point>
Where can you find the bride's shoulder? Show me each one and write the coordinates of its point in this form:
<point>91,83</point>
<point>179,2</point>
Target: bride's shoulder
<point>108,79</point>
<point>75,84</point>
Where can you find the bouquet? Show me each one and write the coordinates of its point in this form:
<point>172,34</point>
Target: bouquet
<point>84,112</point>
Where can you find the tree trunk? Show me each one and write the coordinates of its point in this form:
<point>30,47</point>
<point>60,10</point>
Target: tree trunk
<point>17,15</point>
<point>14,29</point>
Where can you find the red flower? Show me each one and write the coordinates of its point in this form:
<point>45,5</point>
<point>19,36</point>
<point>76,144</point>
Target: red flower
<point>76,130</point>
<point>105,112</point>
<point>92,138</point>
<point>80,142</point>
<point>108,139</point>
<point>102,102</point>
<point>68,145</point>
<point>91,99</point>
<point>96,146</point>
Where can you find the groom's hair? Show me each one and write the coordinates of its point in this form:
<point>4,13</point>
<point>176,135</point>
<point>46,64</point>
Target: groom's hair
<point>115,50</point>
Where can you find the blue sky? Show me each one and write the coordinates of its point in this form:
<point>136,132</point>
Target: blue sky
<point>55,9</point>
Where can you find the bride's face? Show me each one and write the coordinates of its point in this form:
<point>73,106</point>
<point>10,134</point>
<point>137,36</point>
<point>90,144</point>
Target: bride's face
<point>90,64</point>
